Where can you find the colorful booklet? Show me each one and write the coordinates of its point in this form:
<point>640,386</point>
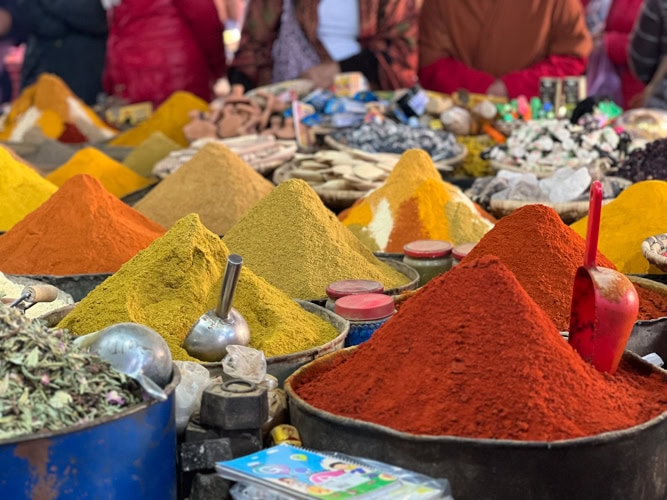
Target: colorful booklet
<point>307,474</point>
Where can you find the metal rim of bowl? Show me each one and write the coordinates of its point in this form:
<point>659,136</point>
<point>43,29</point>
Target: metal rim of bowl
<point>305,407</point>
<point>169,389</point>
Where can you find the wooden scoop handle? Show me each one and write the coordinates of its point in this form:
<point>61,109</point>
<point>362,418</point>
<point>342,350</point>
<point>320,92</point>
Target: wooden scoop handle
<point>42,293</point>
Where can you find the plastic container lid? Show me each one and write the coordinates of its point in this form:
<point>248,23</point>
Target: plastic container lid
<point>428,249</point>
<point>343,288</point>
<point>460,251</point>
<point>365,307</point>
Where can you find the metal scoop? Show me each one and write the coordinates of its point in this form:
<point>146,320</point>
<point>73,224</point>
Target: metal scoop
<point>135,350</point>
<point>215,330</point>
<point>32,295</point>
<point>605,303</point>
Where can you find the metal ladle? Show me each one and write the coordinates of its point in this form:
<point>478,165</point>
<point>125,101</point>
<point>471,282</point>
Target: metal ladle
<point>135,350</point>
<point>215,330</point>
<point>605,303</point>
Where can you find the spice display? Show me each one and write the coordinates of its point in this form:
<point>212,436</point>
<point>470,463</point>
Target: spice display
<point>170,118</point>
<point>390,137</point>
<point>22,190</point>
<point>46,384</point>
<point>342,170</point>
<point>541,146</point>
<point>114,176</point>
<point>290,239</point>
<point>216,184</point>
<point>12,288</point>
<point>144,157</point>
<point>544,254</point>
<point>413,204</point>
<point>81,229</point>
<point>480,368</point>
<point>638,212</point>
<point>262,152</point>
<point>50,105</point>
<point>646,163</point>
<point>175,280</point>
<point>474,164</point>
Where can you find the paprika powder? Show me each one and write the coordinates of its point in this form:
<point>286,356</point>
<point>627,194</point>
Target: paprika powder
<point>82,228</point>
<point>544,254</point>
<point>480,368</point>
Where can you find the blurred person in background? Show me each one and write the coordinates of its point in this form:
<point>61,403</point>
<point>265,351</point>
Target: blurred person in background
<point>316,40</point>
<point>616,42</point>
<point>500,47</point>
<point>12,33</point>
<point>66,38</point>
<point>157,47</point>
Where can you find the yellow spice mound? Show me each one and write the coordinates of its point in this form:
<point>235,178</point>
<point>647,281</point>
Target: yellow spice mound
<point>177,278</point>
<point>114,176</point>
<point>22,190</point>
<point>414,203</point>
<point>49,104</point>
<point>294,242</point>
<point>639,212</point>
<point>169,118</point>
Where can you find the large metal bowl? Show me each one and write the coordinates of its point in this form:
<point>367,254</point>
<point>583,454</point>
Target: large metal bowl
<point>631,463</point>
<point>280,367</point>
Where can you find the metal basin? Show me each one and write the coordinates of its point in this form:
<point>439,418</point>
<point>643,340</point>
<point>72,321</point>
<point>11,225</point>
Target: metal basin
<point>398,265</point>
<point>130,455</point>
<point>631,463</point>
<point>282,367</point>
<point>77,285</point>
<point>649,336</point>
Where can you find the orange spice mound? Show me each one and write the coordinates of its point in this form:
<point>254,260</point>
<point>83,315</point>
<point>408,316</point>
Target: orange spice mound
<point>415,203</point>
<point>81,229</point>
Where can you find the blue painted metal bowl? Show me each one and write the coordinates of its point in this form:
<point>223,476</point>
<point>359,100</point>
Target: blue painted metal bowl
<point>131,455</point>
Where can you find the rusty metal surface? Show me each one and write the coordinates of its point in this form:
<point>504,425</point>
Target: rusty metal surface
<point>129,455</point>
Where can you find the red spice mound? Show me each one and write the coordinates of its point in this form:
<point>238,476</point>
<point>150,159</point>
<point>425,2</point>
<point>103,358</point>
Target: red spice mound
<point>458,361</point>
<point>544,254</point>
<point>82,228</point>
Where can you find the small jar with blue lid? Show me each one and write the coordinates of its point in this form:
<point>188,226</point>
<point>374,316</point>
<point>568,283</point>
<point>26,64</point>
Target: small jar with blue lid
<point>339,289</point>
<point>366,313</point>
<point>430,258</point>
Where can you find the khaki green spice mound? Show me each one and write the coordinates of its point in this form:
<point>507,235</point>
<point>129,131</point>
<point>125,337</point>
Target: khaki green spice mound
<point>295,243</point>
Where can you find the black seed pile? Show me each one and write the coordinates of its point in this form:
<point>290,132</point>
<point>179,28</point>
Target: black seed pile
<point>649,163</point>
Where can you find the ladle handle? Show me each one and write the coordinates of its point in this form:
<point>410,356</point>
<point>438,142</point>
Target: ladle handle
<point>593,230</point>
<point>229,281</point>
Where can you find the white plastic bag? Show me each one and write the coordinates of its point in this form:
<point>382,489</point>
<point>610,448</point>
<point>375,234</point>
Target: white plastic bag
<point>245,363</point>
<point>194,379</point>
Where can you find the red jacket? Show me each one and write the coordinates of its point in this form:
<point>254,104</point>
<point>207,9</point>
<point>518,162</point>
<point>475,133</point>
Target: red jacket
<point>157,47</point>
<point>620,22</point>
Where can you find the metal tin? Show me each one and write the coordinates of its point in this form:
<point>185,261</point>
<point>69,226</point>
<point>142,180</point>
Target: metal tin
<point>131,455</point>
<point>285,434</point>
<point>366,313</point>
<point>343,288</point>
<point>460,252</point>
<point>630,463</point>
<point>430,258</point>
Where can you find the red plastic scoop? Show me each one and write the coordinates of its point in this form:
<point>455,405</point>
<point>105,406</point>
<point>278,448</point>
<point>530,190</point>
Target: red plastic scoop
<point>604,302</point>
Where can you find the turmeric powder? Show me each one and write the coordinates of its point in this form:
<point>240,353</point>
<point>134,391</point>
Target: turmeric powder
<point>415,203</point>
<point>178,278</point>
<point>115,177</point>
<point>169,118</point>
<point>637,213</point>
<point>22,190</point>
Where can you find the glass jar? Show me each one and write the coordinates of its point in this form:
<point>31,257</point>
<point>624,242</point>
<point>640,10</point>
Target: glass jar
<point>430,258</point>
<point>339,289</point>
<point>366,313</point>
<point>460,251</point>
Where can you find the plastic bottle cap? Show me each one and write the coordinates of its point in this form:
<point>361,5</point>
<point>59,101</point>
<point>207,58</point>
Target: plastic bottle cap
<point>460,251</point>
<point>343,288</point>
<point>428,249</point>
<point>365,307</point>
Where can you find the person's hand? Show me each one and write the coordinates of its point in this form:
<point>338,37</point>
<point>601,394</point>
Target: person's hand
<point>497,89</point>
<point>322,75</point>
